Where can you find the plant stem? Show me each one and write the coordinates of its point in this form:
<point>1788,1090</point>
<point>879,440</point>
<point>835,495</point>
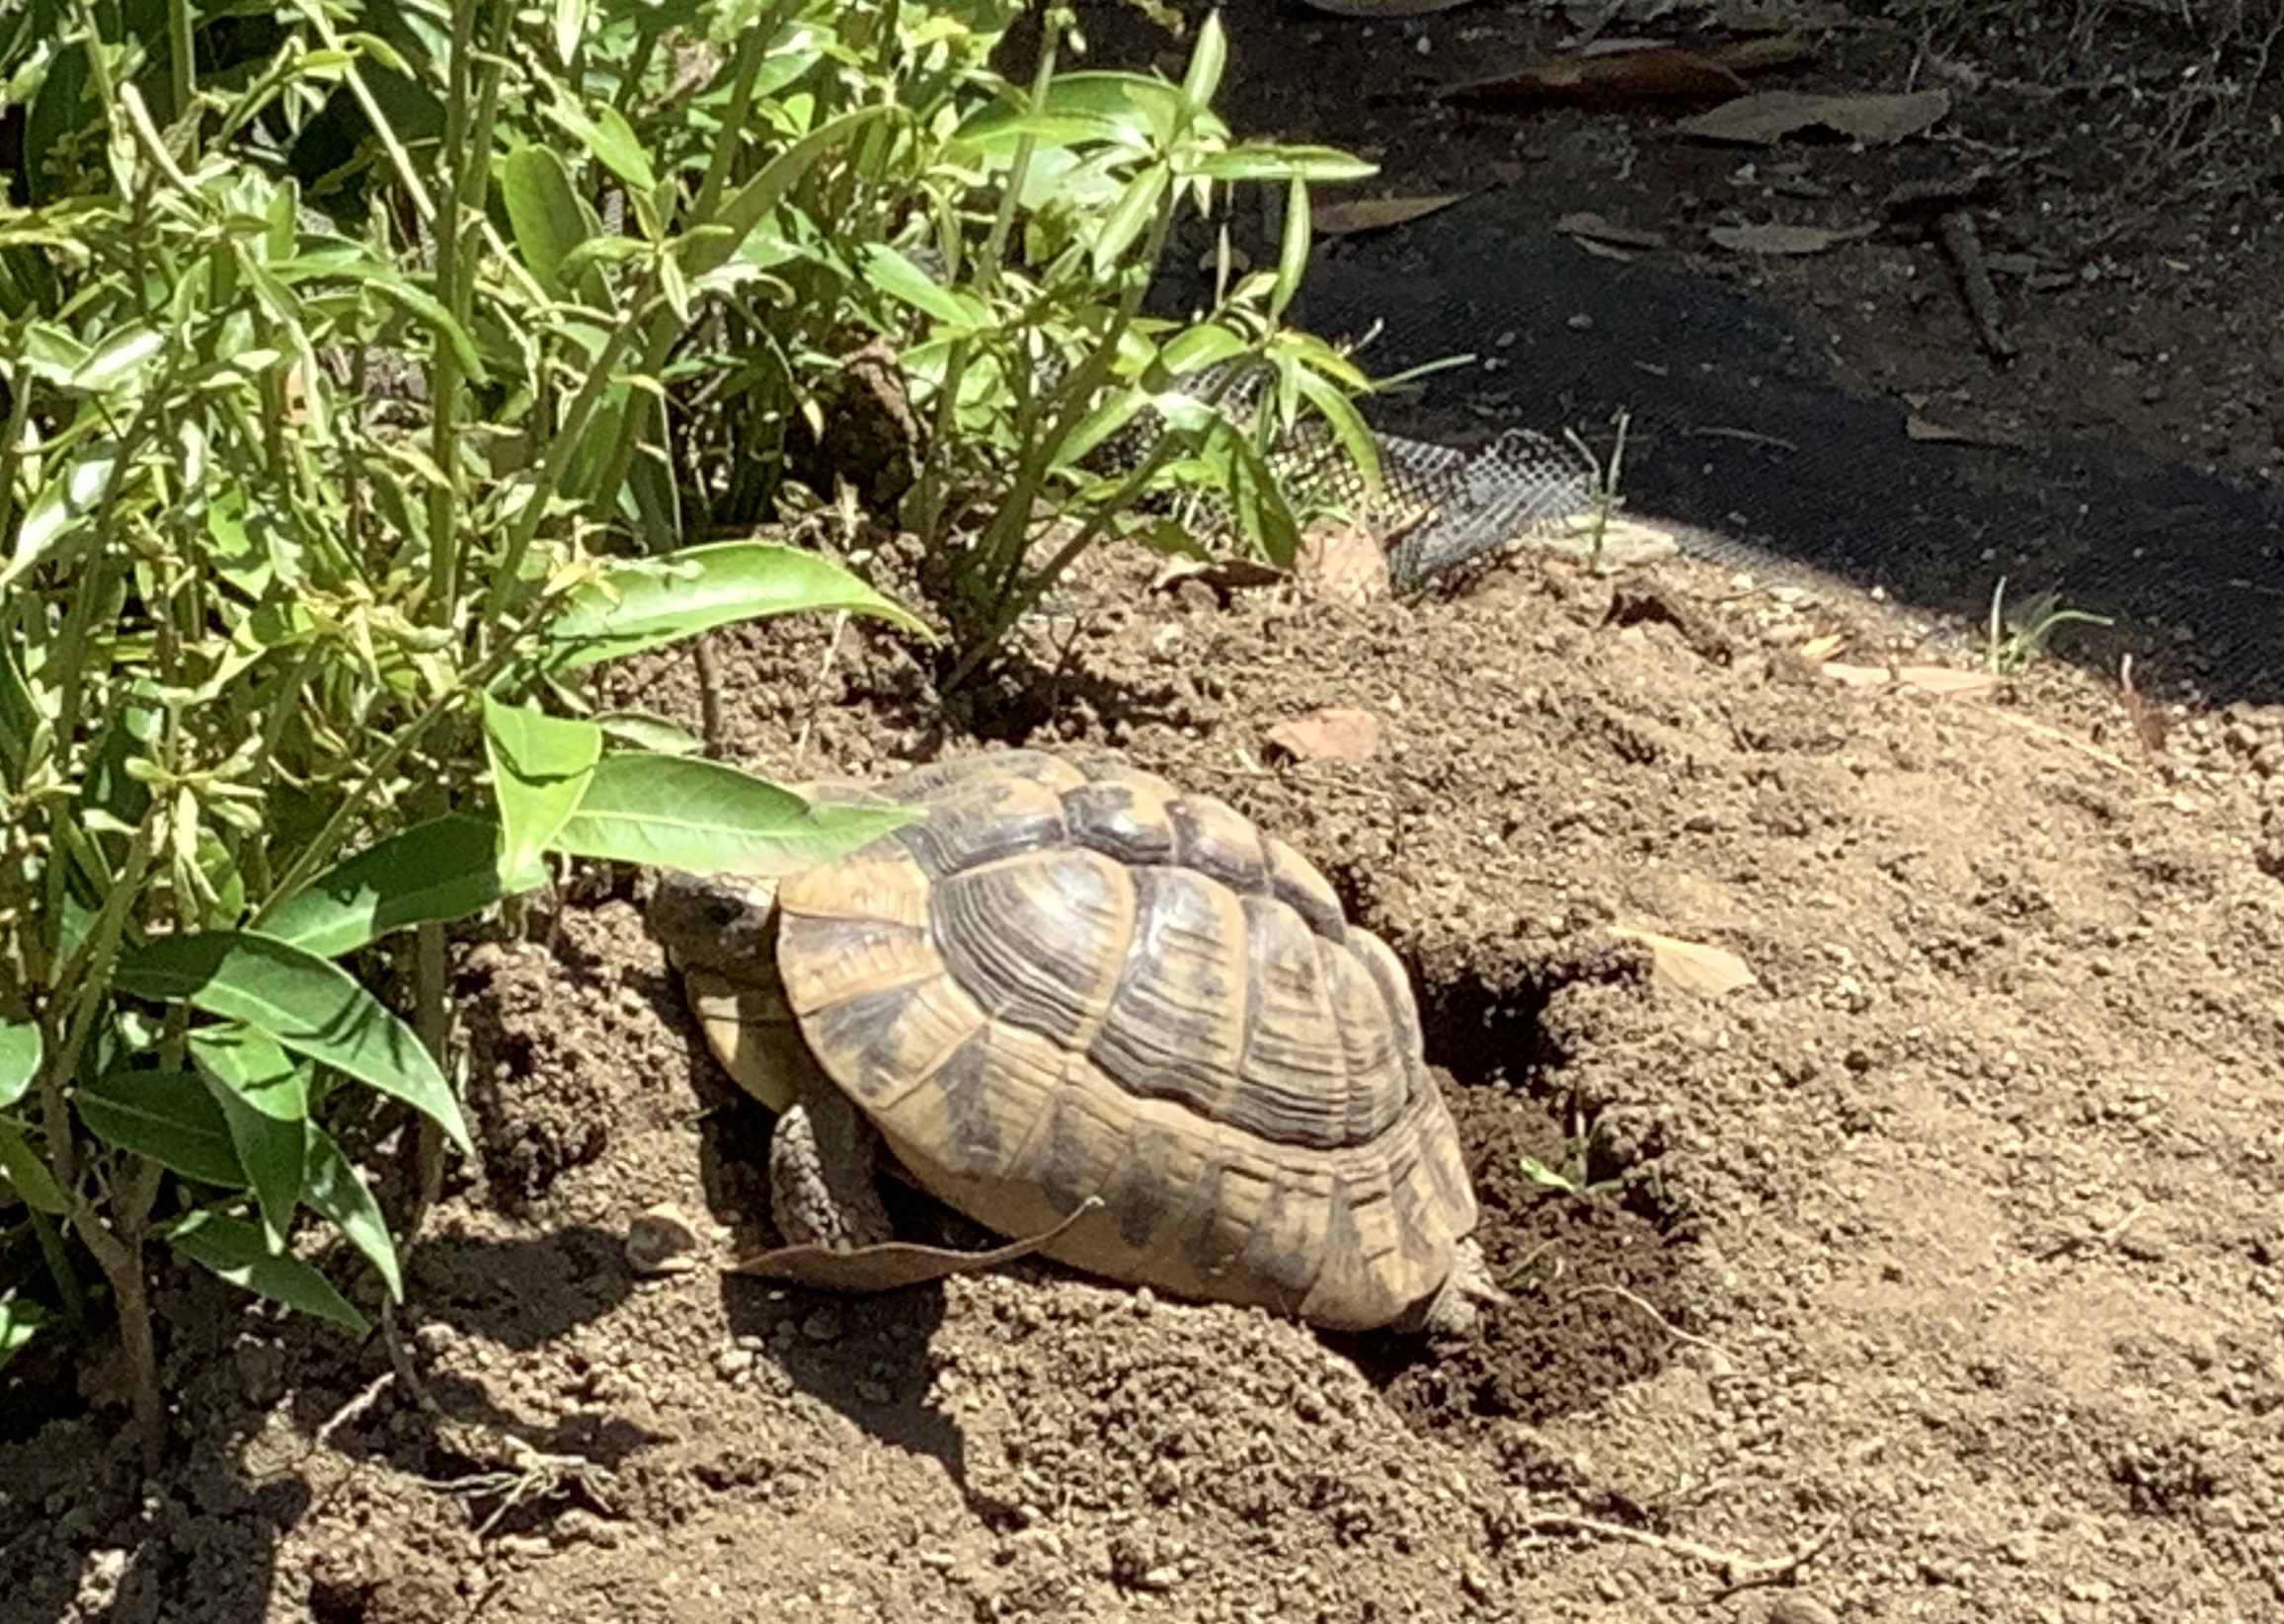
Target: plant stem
<point>183,50</point>
<point>444,374</point>
<point>119,1250</point>
<point>433,1022</point>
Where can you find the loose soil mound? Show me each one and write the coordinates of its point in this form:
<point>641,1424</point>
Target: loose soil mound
<point>1933,1274</point>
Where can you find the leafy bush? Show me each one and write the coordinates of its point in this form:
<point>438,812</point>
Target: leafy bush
<point>271,672</point>
<point>366,369</point>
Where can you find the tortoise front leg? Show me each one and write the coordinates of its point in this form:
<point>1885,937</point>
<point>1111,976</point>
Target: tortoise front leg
<point>823,1166</point>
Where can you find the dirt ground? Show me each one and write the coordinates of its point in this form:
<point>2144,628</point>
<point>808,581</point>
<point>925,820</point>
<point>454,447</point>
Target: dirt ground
<point>1935,1273</point>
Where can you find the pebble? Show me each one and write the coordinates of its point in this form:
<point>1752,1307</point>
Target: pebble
<point>662,1241</point>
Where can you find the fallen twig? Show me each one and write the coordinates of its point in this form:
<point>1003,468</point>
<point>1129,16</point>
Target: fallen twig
<point>1737,1571</point>
<point>1664,1324</point>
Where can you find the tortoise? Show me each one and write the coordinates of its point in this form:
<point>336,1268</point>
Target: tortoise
<point>1068,984</point>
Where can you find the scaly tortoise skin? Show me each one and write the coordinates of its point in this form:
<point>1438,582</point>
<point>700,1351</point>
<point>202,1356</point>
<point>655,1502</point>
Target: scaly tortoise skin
<point>1070,980</point>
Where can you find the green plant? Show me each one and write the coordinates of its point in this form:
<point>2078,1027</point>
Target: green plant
<point>1608,502</point>
<point>1000,239</point>
<point>281,682</point>
<point>1041,362</point>
<point>1574,1175</point>
<point>2011,639</point>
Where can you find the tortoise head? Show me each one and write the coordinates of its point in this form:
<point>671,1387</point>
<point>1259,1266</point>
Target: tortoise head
<point>720,932</point>
<point>722,922</point>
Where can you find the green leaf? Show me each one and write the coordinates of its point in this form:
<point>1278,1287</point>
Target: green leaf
<point>333,1188</point>
<point>233,1250</point>
<point>1261,161</point>
<point>119,357</point>
<point>57,507</point>
<point>681,812</point>
<point>20,1322</point>
<point>1140,112</point>
<point>1355,435</point>
<point>1234,468</point>
<point>446,869</point>
<point>19,1052</point>
<point>645,604</point>
<point>1195,348</point>
<point>649,732</point>
<point>416,302</point>
<point>166,1114</point>
<point>998,129</point>
<point>264,1093</point>
<point>611,140</point>
<point>899,279</point>
<point>34,1185</point>
<point>540,770</point>
<point>1109,417</point>
<point>1136,209</point>
<point>759,198</point>
<point>544,213</point>
<point>1207,62</point>
<point>302,1001</point>
<point>1292,253</point>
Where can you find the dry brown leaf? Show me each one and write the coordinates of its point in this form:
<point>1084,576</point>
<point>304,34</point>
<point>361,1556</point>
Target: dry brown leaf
<point>1927,428</point>
<point>1821,648</point>
<point>1383,8</point>
<point>1608,73</point>
<point>1349,217</point>
<point>1337,732</point>
<point>1765,51</point>
<point>1341,562</point>
<point>296,395</point>
<point>1947,681</point>
<point>1782,239</point>
<point>1607,251</point>
<point>1939,432</point>
<point>1768,116</point>
<point>1695,968</point>
<point>2150,723</point>
<point>1596,229</point>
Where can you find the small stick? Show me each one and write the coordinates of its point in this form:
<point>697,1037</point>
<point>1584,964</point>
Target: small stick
<point>1737,1571</point>
<point>1955,230</point>
<point>348,1412</point>
<point>2032,725</point>
<point>709,694</point>
<point>1664,1324</point>
<point>817,689</point>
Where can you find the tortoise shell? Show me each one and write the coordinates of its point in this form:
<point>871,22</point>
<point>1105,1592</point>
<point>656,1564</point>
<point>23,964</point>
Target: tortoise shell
<point>1072,979</point>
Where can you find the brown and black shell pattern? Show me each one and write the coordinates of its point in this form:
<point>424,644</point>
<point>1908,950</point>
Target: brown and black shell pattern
<point>1070,979</point>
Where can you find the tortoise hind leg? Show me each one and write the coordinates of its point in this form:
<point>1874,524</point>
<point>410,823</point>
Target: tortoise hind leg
<point>1458,1305</point>
<point>823,1162</point>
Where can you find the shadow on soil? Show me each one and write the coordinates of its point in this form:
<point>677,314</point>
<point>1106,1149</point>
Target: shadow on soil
<point>1737,425</point>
